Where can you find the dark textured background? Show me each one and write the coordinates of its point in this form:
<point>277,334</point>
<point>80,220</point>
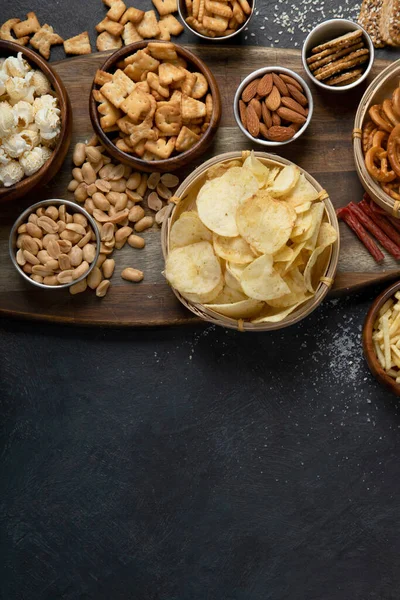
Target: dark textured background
<point>198,463</point>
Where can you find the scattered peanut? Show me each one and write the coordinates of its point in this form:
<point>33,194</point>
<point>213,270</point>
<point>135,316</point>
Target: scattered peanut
<point>136,241</point>
<point>102,288</point>
<point>94,278</point>
<point>133,275</point>
<point>143,224</point>
<point>108,268</point>
<point>78,288</point>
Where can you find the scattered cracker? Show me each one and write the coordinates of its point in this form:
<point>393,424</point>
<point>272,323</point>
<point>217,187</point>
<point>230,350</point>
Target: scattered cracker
<point>130,34</point>
<point>111,26</point>
<point>116,11</point>
<point>148,26</point>
<point>165,7</point>
<point>44,39</point>
<point>171,23</point>
<point>5,33</point>
<point>134,15</point>
<point>79,44</point>
<point>31,25</point>
<point>106,41</point>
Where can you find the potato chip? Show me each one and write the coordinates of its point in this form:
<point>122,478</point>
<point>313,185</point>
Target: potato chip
<point>188,229</point>
<point>233,249</point>
<point>219,198</point>
<point>259,170</point>
<point>203,298</point>
<point>193,269</point>
<point>260,281</point>
<point>296,291</point>
<point>232,281</point>
<point>285,254</point>
<point>273,174</point>
<point>318,211</point>
<point>326,237</point>
<point>296,251</point>
<point>265,223</point>
<point>302,208</point>
<point>271,315</point>
<point>229,295</point>
<point>302,226</point>
<point>238,310</point>
<point>302,192</point>
<point>285,181</point>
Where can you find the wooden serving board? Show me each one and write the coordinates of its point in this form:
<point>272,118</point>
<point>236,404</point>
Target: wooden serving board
<point>325,150</point>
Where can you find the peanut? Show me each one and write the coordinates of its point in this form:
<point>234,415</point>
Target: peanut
<point>31,258</point>
<point>86,238</point>
<point>93,154</point>
<point>27,268</point>
<point>153,181</point>
<point>80,193</point>
<point>81,270</point>
<point>143,224</point>
<point>136,241</point>
<point>62,211</point>
<point>33,218</point>
<point>77,174</point>
<point>103,185</point>
<point>64,262</point>
<point>94,278</point>
<point>135,214</point>
<point>80,219</point>
<point>65,246</point>
<point>42,270</point>
<point>133,275</point>
<point>73,184</point>
<point>30,245</point>
<point>47,238</point>
<point>34,231</point>
<point>21,260</point>
<point>89,253</point>
<point>108,268</point>
<point>91,189</point>
<point>134,181</point>
<point>88,173</point>
<point>78,288</point>
<point>52,212</point>
<point>50,280</point>
<point>47,224</point>
<point>79,154</point>
<point>102,288</point>
<point>142,187</point>
<point>52,264</point>
<point>22,228</point>
<point>37,278</point>
<point>75,256</point>
<point>101,260</point>
<point>119,185</point>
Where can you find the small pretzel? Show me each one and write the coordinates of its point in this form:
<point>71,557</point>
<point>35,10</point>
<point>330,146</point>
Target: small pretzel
<point>396,102</point>
<point>387,109</point>
<point>378,119</point>
<point>392,149</point>
<point>379,138</point>
<point>366,132</point>
<point>380,174</point>
<point>388,188</point>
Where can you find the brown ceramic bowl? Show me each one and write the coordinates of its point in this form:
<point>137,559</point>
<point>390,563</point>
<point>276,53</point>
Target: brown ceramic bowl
<point>174,162</point>
<point>52,166</point>
<point>368,346</point>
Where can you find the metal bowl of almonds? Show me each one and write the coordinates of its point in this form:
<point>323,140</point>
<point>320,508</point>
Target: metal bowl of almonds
<point>55,244</point>
<point>273,106</point>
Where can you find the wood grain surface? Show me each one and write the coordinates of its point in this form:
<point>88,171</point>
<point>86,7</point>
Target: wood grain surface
<point>325,150</point>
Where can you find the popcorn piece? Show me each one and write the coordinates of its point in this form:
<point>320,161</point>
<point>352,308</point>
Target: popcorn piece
<point>48,121</point>
<point>44,38</point>
<point>23,112</point>
<point>31,25</point>
<point>16,66</point>
<point>31,136</point>
<point>4,158</point>
<point>40,83</point>
<point>7,120</point>
<point>11,173</point>
<point>33,160</point>
<point>19,89</point>
<point>15,145</point>
<point>79,44</point>
<point>45,101</point>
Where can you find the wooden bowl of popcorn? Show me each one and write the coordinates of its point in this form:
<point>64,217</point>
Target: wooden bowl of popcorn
<point>155,106</point>
<point>35,121</point>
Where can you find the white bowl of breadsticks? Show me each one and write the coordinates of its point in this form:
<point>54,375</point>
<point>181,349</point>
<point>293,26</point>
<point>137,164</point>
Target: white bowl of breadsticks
<point>216,19</point>
<point>338,55</point>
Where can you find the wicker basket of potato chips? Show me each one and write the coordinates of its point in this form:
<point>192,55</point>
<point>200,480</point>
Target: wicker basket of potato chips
<point>252,242</point>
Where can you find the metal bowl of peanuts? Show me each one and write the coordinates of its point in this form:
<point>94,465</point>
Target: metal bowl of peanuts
<point>216,20</point>
<point>55,244</point>
<point>273,106</point>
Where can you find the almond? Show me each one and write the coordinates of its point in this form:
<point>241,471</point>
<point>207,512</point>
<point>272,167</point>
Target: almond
<point>253,122</point>
<point>280,84</point>
<point>265,85</point>
<point>290,115</point>
<point>293,105</point>
<point>276,120</point>
<point>266,115</point>
<point>256,104</point>
<point>298,96</point>
<point>250,90</point>
<point>287,79</point>
<point>280,134</point>
<point>242,111</point>
<point>273,100</point>
<point>264,130</point>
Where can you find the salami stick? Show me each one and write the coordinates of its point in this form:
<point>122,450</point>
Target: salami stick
<point>355,225</point>
<point>381,222</point>
<point>375,230</point>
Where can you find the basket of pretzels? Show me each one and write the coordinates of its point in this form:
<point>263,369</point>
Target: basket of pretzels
<point>376,139</point>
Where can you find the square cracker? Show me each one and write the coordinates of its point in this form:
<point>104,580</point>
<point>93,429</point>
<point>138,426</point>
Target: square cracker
<point>132,14</point>
<point>31,25</point>
<point>186,139</point>
<point>162,51</point>
<point>165,7</point>
<point>106,41</point>
<point>172,24</point>
<point>130,34</point>
<point>79,44</point>
<point>123,81</point>
<point>114,93</point>
<point>44,39</point>
<point>148,26</point>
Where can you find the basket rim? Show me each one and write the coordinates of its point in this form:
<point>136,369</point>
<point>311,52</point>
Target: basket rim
<point>304,309</point>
